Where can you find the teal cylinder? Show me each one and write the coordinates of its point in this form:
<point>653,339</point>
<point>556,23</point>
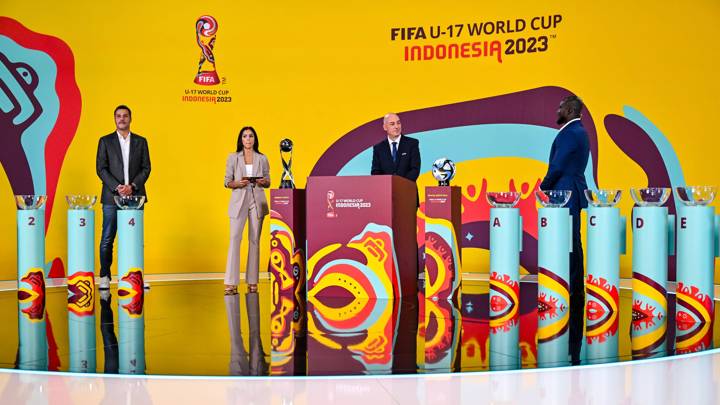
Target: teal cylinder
<point>695,268</point>
<point>81,290</point>
<point>131,299</point>
<point>554,247</point>
<point>648,329</point>
<point>605,232</point>
<point>32,335</point>
<point>505,246</point>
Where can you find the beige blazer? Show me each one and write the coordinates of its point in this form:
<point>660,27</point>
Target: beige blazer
<point>235,170</point>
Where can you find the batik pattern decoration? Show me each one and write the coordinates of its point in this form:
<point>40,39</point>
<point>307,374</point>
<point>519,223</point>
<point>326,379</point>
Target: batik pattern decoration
<point>131,296</point>
<point>332,268</point>
<point>553,296</point>
<point>350,323</point>
<point>696,250</point>
<point>553,318</point>
<point>33,347</point>
<point>359,333</point>
<point>443,267</point>
<point>442,328</point>
<point>505,247</point>
<point>652,233</point>
<point>606,242</point>
<point>287,278</point>
<point>81,290</point>
<point>33,351</point>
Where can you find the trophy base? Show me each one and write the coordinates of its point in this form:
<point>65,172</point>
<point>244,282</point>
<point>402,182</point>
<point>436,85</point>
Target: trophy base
<point>287,184</point>
<point>444,183</point>
<point>207,78</point>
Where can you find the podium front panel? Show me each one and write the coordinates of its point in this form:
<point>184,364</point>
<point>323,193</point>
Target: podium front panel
<point>359,244</point>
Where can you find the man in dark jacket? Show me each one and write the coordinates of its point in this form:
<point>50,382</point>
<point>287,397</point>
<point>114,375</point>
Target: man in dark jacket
<point>123,165</point>
<point>398,154</point>
<point>568,158</point>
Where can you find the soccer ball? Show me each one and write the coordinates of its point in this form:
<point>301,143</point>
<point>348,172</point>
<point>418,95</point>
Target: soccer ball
<point>286,145</point>
<point>443,170</point>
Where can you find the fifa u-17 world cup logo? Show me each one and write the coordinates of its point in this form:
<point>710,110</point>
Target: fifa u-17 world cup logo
<point>205,31</point>
<point>330,213</point>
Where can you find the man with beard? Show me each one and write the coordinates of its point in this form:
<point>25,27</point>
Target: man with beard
<point>123,165</point>
<point>568,158</point>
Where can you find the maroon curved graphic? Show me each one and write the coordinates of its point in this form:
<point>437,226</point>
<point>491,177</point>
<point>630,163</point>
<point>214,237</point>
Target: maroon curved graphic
<point>63,130</point>
<point>531,107</point>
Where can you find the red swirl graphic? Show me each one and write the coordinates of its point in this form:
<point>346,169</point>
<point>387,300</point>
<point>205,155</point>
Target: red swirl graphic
<point>134,293</point>
<point>35,295</point>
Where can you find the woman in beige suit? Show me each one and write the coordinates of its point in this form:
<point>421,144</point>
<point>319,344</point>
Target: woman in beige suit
<point>247,173</point>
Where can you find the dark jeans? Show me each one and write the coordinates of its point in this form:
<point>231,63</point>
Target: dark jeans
<point>109,229</point>
<point>577,292</point>
<point>110,343</point>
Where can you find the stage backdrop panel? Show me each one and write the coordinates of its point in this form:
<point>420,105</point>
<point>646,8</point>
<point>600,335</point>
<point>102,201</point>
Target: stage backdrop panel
<point>477,82</point>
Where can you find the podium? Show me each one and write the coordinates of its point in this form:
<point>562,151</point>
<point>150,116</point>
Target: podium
<point>443,221</point>
<point>361,237</point>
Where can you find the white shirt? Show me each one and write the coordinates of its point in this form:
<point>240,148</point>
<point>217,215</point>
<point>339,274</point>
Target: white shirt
<point>390,142</point>
<point>248,170</point>
<point>125,148</point>
<point>568,123</point>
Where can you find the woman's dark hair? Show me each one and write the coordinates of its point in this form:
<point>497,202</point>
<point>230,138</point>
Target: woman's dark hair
<point>256,145</point>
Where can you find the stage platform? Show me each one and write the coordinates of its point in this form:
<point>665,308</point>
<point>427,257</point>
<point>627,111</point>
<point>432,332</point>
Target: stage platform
<point>202,346</point>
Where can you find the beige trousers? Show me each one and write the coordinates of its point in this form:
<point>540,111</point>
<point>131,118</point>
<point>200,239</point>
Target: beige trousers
<point>248,213</point>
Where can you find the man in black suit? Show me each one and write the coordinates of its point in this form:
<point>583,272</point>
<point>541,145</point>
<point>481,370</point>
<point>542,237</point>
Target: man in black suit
<point>123,165</point>
<point>397,154</point>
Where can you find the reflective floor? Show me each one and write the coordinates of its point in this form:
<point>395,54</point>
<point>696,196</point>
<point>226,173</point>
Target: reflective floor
<point>191,328</point>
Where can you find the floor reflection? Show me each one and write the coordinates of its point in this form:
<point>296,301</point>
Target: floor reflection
<point>181,328</point>
<point>243,362</point>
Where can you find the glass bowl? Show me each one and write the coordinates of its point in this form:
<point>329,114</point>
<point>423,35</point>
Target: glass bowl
<point>696,195</point>
<point>502,199</point>
<point>603,197</point>
<point>80,202</point>
<point>30,202</point>
<point>553,198</point>
<point>132,202</point>
<point>650,197</point>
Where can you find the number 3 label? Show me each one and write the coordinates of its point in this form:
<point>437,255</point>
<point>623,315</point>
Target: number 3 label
<point>82,222</point>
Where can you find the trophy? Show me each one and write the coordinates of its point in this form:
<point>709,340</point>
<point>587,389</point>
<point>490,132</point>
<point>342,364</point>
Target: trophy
<point>443,170</point>
<point>205,31</point>
<point>287,180</point>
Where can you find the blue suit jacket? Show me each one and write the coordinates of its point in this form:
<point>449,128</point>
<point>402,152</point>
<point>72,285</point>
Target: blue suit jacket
<point>568,158</point>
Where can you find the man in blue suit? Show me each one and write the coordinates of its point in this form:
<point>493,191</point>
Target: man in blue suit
<point>568,158</point>
<point>398,154</point>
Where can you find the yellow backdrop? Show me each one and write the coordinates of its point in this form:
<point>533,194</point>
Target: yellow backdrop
<point>314,71</point>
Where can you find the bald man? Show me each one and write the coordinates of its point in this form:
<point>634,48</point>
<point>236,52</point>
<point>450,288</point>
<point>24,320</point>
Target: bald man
<point>397,154</point>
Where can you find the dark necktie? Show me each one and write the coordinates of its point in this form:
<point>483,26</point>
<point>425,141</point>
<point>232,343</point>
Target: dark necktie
<point>394,152</point>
